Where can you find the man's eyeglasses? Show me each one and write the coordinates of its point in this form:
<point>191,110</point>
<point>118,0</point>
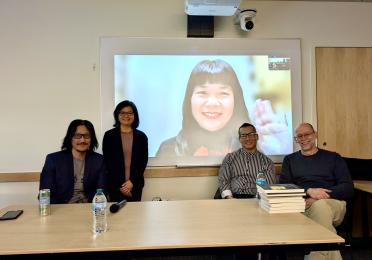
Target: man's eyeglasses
<point>302,136</point>
<point>126,114</point>
<point>79,136</point>
<point>250,135</point>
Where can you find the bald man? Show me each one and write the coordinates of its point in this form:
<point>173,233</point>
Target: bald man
<point>325,178</point>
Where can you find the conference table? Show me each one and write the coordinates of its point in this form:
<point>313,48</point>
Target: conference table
<point>365,189</point>
<point>155,228</point>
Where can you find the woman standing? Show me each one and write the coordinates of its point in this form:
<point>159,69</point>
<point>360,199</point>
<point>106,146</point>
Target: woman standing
<point>125,151</point>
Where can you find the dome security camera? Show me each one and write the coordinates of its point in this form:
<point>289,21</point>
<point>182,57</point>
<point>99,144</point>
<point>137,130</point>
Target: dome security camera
<point>246,19</point>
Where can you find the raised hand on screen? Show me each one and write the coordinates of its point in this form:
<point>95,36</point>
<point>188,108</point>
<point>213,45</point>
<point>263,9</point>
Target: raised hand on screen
<point>274,135</point>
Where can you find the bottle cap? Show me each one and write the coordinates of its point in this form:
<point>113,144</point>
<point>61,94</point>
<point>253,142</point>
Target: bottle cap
<point>99,190</point>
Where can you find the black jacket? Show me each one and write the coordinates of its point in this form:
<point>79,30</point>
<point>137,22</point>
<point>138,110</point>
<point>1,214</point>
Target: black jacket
<point>58,176</point>
<point>114,158</point>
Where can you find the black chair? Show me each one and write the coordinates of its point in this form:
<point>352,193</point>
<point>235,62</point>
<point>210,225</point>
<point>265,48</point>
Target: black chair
<point>217,195</point>
<point>345,229</point>
<point>360,169</point>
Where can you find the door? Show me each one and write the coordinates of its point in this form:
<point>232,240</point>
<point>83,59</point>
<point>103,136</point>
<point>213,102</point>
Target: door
<point>344,100</point>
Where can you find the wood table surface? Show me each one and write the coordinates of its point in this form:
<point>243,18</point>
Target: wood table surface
<point>365,186</point>
<point>157,225</point>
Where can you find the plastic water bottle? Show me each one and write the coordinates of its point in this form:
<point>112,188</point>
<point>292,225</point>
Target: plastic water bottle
<point>261,181</point>
<point>99,205</point>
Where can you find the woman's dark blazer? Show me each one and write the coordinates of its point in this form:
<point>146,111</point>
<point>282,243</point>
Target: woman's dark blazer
<point>114,158</point>
<point>58,176</point>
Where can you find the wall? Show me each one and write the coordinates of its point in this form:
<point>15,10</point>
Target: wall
<point>50,67</point>
<point>166,188</point>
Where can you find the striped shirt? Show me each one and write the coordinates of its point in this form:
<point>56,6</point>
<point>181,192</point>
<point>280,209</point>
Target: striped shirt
<point>237,174</point>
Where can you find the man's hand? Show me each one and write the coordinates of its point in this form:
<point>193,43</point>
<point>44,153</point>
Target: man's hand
<point>318,193</point>
<point>309,202</point>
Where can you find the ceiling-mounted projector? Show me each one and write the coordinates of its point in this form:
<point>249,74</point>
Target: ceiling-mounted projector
<point>211,7</point>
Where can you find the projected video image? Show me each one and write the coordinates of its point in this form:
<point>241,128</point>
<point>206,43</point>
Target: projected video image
<point>191,107</point>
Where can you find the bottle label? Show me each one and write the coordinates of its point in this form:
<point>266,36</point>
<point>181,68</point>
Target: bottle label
<point>45,200</point>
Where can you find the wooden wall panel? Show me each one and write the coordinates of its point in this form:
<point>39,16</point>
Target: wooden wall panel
<point>150,172</point>
<point>344,100</point>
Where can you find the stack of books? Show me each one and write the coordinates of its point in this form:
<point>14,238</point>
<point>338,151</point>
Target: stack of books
<point>281,198</point>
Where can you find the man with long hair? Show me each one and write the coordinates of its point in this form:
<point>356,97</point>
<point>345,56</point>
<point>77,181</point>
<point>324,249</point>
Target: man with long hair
<point>74,173</point>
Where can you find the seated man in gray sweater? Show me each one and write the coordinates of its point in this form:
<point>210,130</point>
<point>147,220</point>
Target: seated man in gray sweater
<point>325,178</point>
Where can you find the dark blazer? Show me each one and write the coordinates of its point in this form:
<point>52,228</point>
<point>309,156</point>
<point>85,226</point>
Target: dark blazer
<point>58,176</point>
<point>114,159</point>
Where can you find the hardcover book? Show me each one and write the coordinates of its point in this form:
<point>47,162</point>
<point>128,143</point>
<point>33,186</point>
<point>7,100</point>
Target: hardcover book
<point>273,210</point>
<point>281,199</point>
<point>279,188</point>
<point>281,195</point>
<point>283,207</point>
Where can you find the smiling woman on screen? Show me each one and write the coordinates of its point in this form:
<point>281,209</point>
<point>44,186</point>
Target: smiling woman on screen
<point>213,108</point>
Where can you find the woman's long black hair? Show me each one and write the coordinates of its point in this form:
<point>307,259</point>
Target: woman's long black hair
<point>192,135</point>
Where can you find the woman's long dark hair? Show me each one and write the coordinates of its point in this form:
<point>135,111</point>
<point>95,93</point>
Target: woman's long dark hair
<point>67,141</point>
<point>192,135</point>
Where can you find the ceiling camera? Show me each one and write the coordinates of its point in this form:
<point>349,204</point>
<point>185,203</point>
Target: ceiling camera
<point>246,19</point>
